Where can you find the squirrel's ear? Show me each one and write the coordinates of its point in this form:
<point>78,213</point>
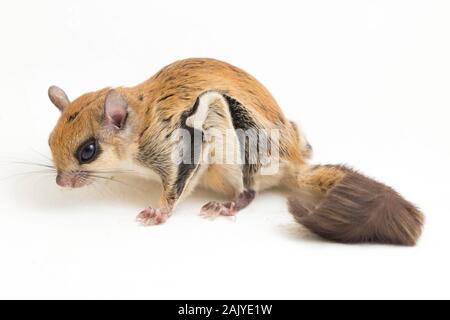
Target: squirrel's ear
<point>116,110</point>
<point>58,97</point>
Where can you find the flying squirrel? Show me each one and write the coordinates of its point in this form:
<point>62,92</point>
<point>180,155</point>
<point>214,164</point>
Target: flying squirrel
<point>183,124</point>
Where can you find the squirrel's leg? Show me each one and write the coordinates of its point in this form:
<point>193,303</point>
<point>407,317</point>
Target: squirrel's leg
<point>213,209</point>
<point>174,189</point>
<point>227,179</point>
<point>159,215</point>
<point>179,176</point>
<point>225,172</point>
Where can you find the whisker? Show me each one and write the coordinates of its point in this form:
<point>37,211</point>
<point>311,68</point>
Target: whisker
<point>28,174</point>
<point>115,180</point>
<point>112,171</point>
<point>42,155</point>
<point>36,164</point>
<point>18,161</point>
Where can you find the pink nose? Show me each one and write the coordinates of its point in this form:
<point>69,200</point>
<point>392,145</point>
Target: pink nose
<point>69,180</point>
<point>64,180</point>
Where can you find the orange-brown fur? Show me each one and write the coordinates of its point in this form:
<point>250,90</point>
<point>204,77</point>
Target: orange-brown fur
<point>159,102</point>
<point>154,111</point>
<point>183,81</point>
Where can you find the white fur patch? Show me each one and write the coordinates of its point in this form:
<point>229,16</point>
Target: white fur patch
<point>198,119</point>
<point>221,146</point>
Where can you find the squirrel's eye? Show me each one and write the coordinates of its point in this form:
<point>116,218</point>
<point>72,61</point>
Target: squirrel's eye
<point>88,151</point>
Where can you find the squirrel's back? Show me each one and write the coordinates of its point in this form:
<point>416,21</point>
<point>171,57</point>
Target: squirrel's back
<point>174,89</point>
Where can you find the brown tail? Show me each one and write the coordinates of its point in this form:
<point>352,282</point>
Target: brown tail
<point>345,206</point>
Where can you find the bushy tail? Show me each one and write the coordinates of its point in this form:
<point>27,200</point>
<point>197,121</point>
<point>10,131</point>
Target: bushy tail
<point>342,205</point>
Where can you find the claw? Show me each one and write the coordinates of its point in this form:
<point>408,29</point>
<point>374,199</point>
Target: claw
<point>152,216</point>
<point>214,209</point>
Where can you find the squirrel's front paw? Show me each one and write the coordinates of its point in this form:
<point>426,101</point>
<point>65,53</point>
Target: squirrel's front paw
<point>151,216</point>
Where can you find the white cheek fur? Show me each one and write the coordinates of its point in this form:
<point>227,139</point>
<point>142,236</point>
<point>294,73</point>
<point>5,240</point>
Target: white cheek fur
<point>109,161</point>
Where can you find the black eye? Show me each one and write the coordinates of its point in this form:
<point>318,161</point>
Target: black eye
<point>88,151</point>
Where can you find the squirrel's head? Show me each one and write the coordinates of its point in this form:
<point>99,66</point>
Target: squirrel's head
<point>92,135</point>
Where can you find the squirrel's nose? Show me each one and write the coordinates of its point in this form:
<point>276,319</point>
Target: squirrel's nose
<point>71,179</point>
<point>64,180</point>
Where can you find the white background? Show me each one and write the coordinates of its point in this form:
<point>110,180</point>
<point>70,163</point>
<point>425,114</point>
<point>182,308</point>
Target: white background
<point>368,80</point>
